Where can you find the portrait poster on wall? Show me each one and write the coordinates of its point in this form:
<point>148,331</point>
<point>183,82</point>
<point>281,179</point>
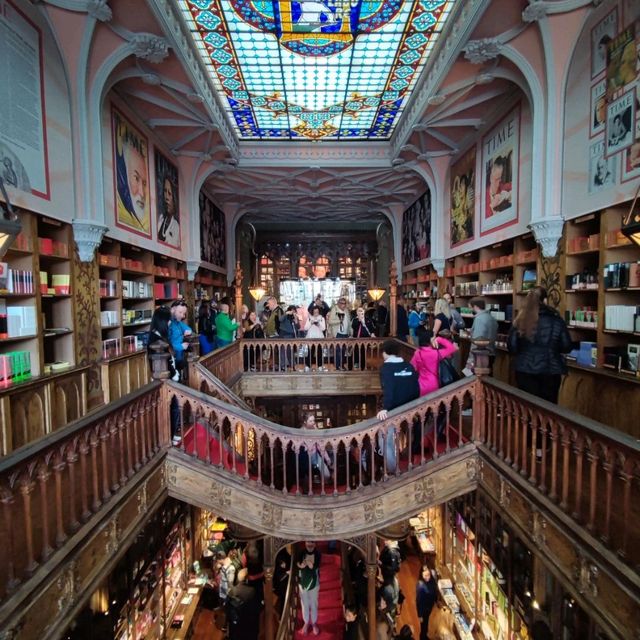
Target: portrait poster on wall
<point>601,35</point>
<point>621,62</point>
<point>212,233</point>
<point>416,230</point>
<point>631,156</point>
<point>23,141</point>
<point>131,179</point>
<point>630,11</point>
<point>620,123</point>
<point>500,155</point>
<point>463,188</point>
<point>602,169</point>
<point>167,201</point>
<point>598,108</point>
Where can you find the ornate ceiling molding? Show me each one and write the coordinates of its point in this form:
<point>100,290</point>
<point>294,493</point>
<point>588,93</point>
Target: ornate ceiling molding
<point>166,13</point>
<point>448,49</point>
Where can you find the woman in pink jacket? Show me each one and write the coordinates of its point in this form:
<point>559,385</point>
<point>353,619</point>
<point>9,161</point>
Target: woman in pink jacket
<point>425,360</point>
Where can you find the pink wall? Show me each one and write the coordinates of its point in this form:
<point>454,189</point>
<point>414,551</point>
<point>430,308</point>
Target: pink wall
<point>580,195</point>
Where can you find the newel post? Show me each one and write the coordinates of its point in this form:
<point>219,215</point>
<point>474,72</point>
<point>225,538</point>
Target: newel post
<point>481,369</point>
<point>237,283</point>
<point>159,358</point>
<point>393,299</point>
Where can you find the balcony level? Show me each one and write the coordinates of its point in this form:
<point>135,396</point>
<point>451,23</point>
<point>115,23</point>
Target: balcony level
<point>73,501</point>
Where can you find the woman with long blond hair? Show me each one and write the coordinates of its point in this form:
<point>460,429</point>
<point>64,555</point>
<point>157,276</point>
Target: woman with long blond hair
<point>537,339</point>
<point>442,319</point>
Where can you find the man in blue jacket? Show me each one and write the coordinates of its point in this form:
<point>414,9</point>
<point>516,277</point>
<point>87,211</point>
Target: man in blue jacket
<point>399,382</point>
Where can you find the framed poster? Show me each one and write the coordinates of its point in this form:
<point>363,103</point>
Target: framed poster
<point>212,233</point>
<point>416,230</point>
<point>620,123</point>
<point>598,108</point>
<point>131,179</point>
<point>23,136</point>
<point>630,11</point>
<point>631,157</point>
<point>602,169</point>
<point>601,35</point>
<point>463,205</point>
<point>167,201</point>
<point>500,155</point>
<point>621,62</point>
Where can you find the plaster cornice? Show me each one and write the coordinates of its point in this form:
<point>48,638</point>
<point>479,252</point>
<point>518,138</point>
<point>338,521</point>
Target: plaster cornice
<point>184,47</point>
<point>366,154</point>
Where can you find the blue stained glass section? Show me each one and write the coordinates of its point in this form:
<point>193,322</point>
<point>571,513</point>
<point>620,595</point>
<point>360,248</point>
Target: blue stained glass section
<point>294,69</point>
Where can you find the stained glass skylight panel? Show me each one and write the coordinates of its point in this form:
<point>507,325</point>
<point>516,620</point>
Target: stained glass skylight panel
<point>315,69</point>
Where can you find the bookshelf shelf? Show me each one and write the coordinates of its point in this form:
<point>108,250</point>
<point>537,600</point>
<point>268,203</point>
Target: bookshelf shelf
<point>19,338</point>
<point>583,252</point>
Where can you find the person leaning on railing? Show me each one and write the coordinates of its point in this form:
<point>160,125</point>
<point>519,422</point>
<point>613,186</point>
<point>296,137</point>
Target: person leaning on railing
<point>339,328</point>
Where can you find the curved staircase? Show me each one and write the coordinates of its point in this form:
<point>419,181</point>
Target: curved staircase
<point>330,615</point>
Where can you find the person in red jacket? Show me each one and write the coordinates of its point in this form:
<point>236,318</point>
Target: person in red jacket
<point>425,360</point>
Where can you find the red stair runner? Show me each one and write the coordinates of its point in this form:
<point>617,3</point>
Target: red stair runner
<point>330,615</point>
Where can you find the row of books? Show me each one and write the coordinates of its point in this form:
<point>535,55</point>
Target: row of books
<point>107,288</point>
<point>501,285</point>
<point>134,289</point>
<point>134,316</point>
<point>467,289</point>
<point>584,243</point>
<point>583,317</point>
<point>166,290</point>
<point>115,347</point>
<point>582,281</point>
<point>15,366</point>
<point>17,321</point>
<point>109,318</point>
<point>16,280</point>
<point>622,317</point>
<point>60,284</point>
<point>50,247</point>
<point>621,275</point>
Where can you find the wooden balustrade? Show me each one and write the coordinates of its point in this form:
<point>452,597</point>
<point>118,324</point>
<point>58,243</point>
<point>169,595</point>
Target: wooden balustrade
<point>275,355</point>
<point>30,410</point>
<point>203,380</point>
<point>123,374</point>
<point>48,489</point>
<point>225,363</point>
<point>318,462</point>
<point>589,470</point>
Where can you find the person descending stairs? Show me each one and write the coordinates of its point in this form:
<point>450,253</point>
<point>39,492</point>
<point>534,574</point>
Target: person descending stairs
<point>330,621</point>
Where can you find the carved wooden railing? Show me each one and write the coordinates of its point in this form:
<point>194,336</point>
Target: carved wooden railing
<point>276,354</point>
<point>123,374</point>
<point>50,488</point>
<point>282,458</point>
<point>590,471</point>
<point>31,409</point>
<point>225,363</point>
<point>203,380</point>
<point>289,620</point>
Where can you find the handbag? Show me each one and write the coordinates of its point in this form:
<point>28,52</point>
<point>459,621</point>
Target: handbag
<point>447,373</point>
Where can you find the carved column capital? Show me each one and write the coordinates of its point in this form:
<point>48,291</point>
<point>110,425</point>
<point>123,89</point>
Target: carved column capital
<point>192,269</point>
<point>88,236</point>
<point>585,575</point>
<point>482,50</point>
<point>537,10</point>
<point>99,9</point>
<point>547,232</point>
<point>149,47</point>
<point>438,265</point>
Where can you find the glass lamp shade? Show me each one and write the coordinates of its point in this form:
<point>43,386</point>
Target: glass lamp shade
<point>257,292</point>
<point>9,229</point>
<point>375,293</point>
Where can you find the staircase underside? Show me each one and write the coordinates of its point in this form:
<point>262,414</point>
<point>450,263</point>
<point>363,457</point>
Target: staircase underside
<point>359,511</point>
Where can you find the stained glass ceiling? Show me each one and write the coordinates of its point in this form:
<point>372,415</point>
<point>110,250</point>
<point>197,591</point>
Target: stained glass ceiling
<point>315,69</point>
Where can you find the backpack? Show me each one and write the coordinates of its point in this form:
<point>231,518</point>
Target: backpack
<point>457,320</point>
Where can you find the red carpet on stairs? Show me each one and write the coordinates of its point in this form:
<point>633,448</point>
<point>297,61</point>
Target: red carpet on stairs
<point>330,615</point>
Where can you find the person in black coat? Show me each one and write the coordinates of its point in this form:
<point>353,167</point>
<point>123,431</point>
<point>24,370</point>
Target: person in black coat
<point>426,596</point>
<point>402,323</point>
<point>537,339</point>
<point>243,608</point>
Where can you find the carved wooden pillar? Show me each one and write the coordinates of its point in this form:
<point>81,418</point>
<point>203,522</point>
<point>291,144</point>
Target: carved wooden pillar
<point>159,359</point>
<point>393,300</point>
<point>372,572</point>
<point>268,602</point>
<point>26,489</point>
<point>43,477</point>
<point>237,283</point>
<point>6,497</point>
<point>58,468</point>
